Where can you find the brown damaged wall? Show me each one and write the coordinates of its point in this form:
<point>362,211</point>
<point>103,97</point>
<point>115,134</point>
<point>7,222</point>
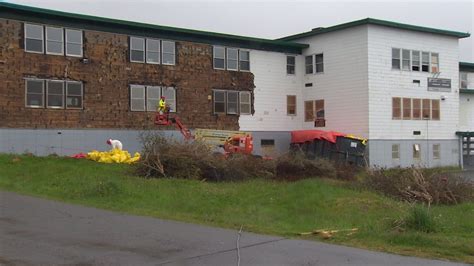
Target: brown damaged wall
<point>106,82</point>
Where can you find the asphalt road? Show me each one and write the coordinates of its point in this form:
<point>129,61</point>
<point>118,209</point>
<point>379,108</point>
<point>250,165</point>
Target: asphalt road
<point>42,232</point>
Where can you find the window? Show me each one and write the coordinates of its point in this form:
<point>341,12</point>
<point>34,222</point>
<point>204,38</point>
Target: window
<point>291,104</point>
<point>245,103</point>
<point>320,121</point>
<point>54,41</point>
<point>406,108</point>
<point>434,62</point>
<point>415,60</point>
<point>309,64</point>
<point>395,58</point>
<point>232,59</point>
<point>396,108</point>
<point>319,63</point>
<point>290,64</point>
<point>416,109</point>
<point>170,97</point>
<point>137,49</point>
<point>153,94</point>
<point>425,61</point>
<point>416,151</point>
<point>244,60</point>
<point>137,98</point>
<point>55,93</point>
<point>34,38</point>
<point>463,80</point>
<point>268,147</point>
<point>406,59</point>
<point>169,52</point>
<point>426,109</point>
<point>435,112</point>
<point>219,57</point>
<point>232,102</point>
<point>309,111</point>
<point>152,51</point>
<point>396,151</point>
<point>73,42</point>
<point>219,102</point>
<point>436,151</point>
<point>34,93</point>
<point>73,94</point>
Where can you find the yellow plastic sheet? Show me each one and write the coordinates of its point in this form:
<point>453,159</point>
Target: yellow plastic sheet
<point>113,156</point>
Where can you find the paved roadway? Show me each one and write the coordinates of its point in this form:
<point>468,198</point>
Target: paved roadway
<point>35,231</point>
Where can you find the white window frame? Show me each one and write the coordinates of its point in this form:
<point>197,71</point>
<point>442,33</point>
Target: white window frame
<point>144,97</point>
<point>147,97</point>
<point>437,150</point>
<point>167,100</point>
<point>315,69</point>
<point>42,93</point>
<point>236,60</point>
<point>412,52</point>
<point>47,94</point>
<point>463,79</point>
<point>294,65</point>
<point>406,60</point>
<point>163,52</point>
<point>429,62</point>
<point>214,101</point>
<point>214,57</point>
<point>144,50</point>
<point>47,40</point>
<point>66,42</point>
<point>67,94</point>
<point>237,102</point>
<point>306,64</point>
<point>238,64</point>
<point>396,152</point>
<point>249,103</point>
<point>147,50</point>
<point>399,59</point>
<point>25,38</point>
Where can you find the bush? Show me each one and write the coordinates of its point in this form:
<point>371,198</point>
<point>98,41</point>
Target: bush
<point>419,218</point>
<point>431,186</point>
<point>164,157</point>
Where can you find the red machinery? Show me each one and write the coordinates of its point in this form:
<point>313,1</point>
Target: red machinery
<point>238,143</point>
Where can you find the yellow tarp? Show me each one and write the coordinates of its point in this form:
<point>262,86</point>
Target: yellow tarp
<point>113,156</point>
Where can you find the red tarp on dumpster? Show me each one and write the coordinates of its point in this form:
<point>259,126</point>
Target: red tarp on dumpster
<point>301,136</point>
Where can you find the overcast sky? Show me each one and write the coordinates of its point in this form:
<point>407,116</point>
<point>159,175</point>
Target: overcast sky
<point>273,19</point>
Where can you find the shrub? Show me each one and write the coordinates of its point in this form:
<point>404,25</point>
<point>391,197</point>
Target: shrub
<point>295,165</point>
<point>419,218</point>
<point>420,185</point>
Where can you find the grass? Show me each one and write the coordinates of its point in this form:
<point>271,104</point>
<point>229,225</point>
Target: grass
<point>261,206</point>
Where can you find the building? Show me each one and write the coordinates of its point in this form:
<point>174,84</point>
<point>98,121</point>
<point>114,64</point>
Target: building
<point>71,81</point>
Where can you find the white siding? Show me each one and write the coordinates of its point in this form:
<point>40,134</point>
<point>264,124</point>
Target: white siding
<point>272,85</point>
<point>385,83</point>
<point>466,112</point>
<point>344,83</point>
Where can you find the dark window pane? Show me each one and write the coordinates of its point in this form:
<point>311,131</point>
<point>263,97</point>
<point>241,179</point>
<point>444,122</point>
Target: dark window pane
<point>74,101</point>
<point>290,69</point>
<point>396,63</point>
<point>219,63</point>
<point>74,89</point>
<point>55,100</point>
<point>219,96</point>
<point>55,47</point>
<point>34,86</point>
<point>34,99</point>
<point>219,107</point>
<point>244,55</point>
<point>319,58</point>
<point>137,56</point>
<point>232,64</point>
<point>34,45</point>
<point>244,65</point>
<point>309,69</point>
<point>290,60</point>
<point>319,68</point>
<point>74,49</point>
<point>55,87</point>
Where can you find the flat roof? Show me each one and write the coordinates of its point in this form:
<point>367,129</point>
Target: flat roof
<point>81,21</point>
<point>378,22</point>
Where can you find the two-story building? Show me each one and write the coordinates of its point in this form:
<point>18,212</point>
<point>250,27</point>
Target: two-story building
<point>71,81</point>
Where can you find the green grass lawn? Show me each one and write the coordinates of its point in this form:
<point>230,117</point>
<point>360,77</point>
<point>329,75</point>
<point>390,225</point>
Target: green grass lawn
<point>261,206</point>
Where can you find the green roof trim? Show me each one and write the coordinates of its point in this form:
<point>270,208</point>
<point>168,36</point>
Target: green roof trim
<point>465,133</point>
<point>466,91</point>
<point>379,22</point>
<point>87,22</point>
<point>465,66</point>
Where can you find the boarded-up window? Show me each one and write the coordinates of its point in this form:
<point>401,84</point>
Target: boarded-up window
<point>308,111</point>
<point>395,151</point>
<point>436,151</point>
<point>320,120</point>
<point>291,104</point>
<point>396,108</point>
<point>268,147</point>
<point>416,151</point>
<point>406,108</point>
<point>426,109</point>
<point>416,108</point>
<point>435,112</point>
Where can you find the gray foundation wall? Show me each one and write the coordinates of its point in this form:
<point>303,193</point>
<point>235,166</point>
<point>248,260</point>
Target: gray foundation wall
<point>380,153</point>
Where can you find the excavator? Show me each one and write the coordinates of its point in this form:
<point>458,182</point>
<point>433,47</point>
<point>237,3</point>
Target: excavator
<point>233,142</point>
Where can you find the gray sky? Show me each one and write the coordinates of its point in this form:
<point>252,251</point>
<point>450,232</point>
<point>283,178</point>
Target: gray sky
<point>273,19</point>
